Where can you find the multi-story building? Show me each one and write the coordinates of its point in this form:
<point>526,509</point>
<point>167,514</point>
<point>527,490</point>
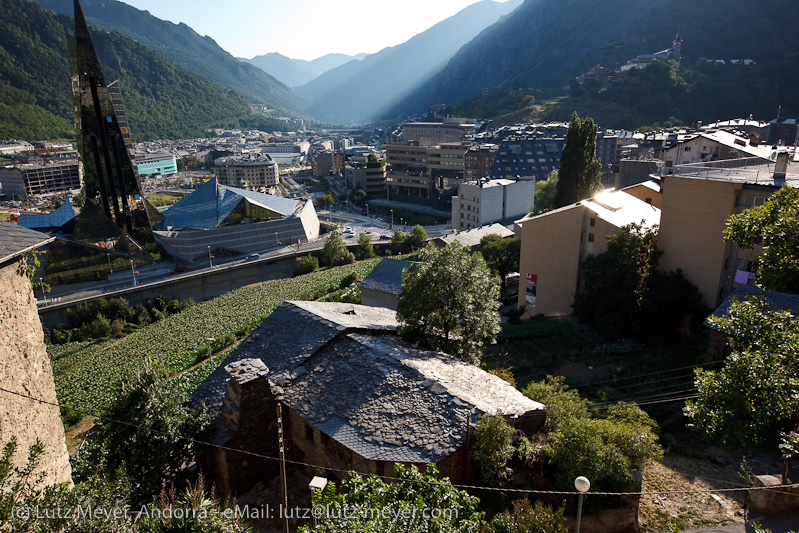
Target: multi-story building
<point>286,153</point>
<point>555,244</point>
<point>251,172</point>
<point>417,170</point>
<point>434,133</point>
<point>41,178</point>
<point>368,175</point>
<point>713,146</point>
<point>528,151</point>
<point>486,201</point>
<point>326,163</point>
<point>697,201</point>
<point>150,164</point>
<point>478,161</point>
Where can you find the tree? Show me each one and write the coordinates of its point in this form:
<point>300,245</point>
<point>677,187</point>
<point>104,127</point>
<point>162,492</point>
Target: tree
<point>449,301</point>
<point>545,192</point>
<point>326,200</point>
<point>415,502</point>
<point>754,395</point>
<point>397,241</point>
<point>152,443</point>
<point>527,518</point>
<point>305,265</point>
<point>501,254</point>
<point>580,174</point>
<point>334,252</point>
<point>415,239</point>
<point>358,196</point>
<point>365,249</point>
<point>614,282</point>
<point>775,226</point>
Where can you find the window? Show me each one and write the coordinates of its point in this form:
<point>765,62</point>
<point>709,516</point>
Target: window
<point>309,433</point>
<point>592,222</point>
<point>590,237</point>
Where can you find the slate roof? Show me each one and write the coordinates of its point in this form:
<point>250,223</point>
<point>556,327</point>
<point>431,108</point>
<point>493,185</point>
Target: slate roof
<point>471,237</point>
<point>16,240</point>
<point>386,276</point>
<point>344,370</point>
<point>780,301</point>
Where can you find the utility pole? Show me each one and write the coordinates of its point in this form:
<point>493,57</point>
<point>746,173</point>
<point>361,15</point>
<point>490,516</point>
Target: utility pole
<point>281,442</point>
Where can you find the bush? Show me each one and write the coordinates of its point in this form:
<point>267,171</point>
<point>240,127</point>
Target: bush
<point>306,265</point>
<point>563,404</point>
<point>348,280</point>
<point>505,374</point>
<point>524,518</point>
<point>493,446</point>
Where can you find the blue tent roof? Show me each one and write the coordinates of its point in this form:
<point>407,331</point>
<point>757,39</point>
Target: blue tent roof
<point>208,206</point>
<point>54,219</point>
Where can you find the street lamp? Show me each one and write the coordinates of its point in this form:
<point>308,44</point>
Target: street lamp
<point>210,258</point>
<point>581,484</point>
<point>209,340</point>
<point>367,209</point>
<point>44,295</point>
<point>392,219</point>
<point>275,239</point>
<point>110,270</point>
<point>133,272</point>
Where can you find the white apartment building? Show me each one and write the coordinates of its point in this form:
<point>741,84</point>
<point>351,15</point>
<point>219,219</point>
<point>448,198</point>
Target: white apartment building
<point>486,201</point>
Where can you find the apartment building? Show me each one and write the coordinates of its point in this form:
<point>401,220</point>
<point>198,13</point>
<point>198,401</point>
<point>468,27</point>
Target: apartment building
<point>434,133</point>
<point>250,172</point>
<point>486,201</point>
<point>47,177</point>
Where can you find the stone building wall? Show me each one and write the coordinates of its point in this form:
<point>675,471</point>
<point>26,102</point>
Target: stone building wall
<point>25,369</point>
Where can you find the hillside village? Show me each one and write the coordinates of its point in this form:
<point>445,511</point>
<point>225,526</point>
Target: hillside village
<point>434,323</point>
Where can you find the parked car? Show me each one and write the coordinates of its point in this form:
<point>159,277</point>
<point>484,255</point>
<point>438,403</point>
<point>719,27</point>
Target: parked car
<point>252,257</point>
<point>179,269</point>
<point>388,237</point>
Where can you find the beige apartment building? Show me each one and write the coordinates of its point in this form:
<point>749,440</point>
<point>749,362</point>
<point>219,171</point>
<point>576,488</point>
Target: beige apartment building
<point>434,133</point>
<point>697,201</point>
<point>555,244</point>
<point>250,172</point>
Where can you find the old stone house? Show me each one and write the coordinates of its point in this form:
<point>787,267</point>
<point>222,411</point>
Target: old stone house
<point>353,397</point>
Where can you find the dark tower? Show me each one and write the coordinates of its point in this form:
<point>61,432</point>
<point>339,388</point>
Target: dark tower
<point>115,216</point>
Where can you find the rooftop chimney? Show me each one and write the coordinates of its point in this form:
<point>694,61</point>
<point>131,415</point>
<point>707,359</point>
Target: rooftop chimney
<point>781,166</point>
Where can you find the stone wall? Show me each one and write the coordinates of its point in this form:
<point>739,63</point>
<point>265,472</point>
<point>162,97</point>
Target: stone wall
<point>775,500</point>
<point>25,369</point>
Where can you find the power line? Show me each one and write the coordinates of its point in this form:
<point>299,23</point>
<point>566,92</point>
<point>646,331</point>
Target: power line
<point>389,478</point>
<point>653,373</point>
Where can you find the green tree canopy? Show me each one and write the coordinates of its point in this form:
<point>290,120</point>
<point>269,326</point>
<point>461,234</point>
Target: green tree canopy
<point>358,196</point>
<point>149,449</point>
<point>365,249</point>
<point>580,174</point>
<point>449,301</point>
<point>408,504</point>
<point>775,226</point>
<point>545,192</point>
<point>754,395</point>
<point>334,252</point>
<point>501,254</point>
<point>415,238</point>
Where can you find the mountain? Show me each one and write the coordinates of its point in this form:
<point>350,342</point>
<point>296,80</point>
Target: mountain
<point>183,46</point>
<point>161,99</point>
<point>295,72</point>
<point>362,90</point>
<point>546,43</point>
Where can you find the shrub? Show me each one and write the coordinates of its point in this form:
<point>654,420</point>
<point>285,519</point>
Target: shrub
<point>526,518</point>
<point>306,265</point>
<point>505,374</point>
<point>348,280</point>
<point>493,445</point>
<point>604,450</point>
<point>562,403</point>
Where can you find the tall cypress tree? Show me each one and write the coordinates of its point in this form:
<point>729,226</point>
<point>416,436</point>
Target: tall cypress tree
<point>580,174</point>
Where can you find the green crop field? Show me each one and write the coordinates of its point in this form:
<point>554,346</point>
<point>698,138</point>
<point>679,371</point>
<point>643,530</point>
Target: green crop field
<point>87,373</point>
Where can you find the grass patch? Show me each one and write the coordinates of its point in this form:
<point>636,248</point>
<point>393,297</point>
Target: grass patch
<point>160,199</point>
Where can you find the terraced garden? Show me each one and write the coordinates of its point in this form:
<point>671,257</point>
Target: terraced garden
<point>87,373</point>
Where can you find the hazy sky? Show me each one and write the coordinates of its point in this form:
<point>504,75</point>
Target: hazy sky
<point>304,29</point>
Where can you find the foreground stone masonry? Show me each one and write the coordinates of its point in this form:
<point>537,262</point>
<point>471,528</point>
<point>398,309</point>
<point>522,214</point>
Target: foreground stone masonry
<point>24,366</point>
